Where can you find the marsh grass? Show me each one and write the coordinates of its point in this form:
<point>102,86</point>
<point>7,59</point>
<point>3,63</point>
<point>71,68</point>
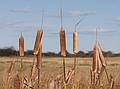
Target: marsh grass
<point>52,67</point>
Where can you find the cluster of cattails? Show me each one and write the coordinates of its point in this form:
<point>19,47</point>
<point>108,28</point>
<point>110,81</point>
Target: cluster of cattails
<point>62,42</point>
<point>98,63</point>
<point>98,58</point>
<point>21,46</point>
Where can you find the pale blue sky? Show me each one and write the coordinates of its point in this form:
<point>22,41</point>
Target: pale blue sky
<point>18,16</point>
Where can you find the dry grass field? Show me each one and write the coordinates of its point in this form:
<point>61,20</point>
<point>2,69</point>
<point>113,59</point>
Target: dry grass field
<point>52,68</point>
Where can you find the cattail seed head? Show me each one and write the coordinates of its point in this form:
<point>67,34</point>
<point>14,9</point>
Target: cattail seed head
<point>38,41</point>
<point>21,46</point>
<point>75,42</point>
<point>62,42</point>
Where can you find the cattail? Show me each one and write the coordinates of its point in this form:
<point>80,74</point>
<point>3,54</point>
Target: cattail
<point>21,46</point>
<point>62,42</point>
<point>38,41</point>
<point>75,42</point>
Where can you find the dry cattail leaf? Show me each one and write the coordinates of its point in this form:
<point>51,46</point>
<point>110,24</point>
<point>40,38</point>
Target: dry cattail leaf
<point>21,46</point>
<point>91,75</point>
<point>7,75</point>
<point>32,75</point>
<point>94,62</point>
<point>62,42</point>
<point>17,82</point>
<point>99,65</point>
<point>9,70</point>
<point>38,41</point>
<point>33,70</point>
<point>102,59</point>
<point>69,75</point>
<point>75,42</point>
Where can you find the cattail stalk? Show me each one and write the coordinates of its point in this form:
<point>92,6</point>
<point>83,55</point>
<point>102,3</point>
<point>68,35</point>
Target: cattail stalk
<point>21,54</point>
<point>75,48</point>
<point>63,51</point>
<point>39,63</point>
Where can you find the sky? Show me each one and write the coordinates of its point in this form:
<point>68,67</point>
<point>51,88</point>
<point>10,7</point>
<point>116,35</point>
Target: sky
<point>25,16</point>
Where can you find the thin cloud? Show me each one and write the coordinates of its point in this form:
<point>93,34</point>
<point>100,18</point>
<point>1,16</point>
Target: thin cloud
<point>79,13</point>
<point>101,30</point>
<point>72,13</point>
<point>114,21</point>
<point>19,24</point>
<point>21,10</point>
<point>75,13</point>
<point>117,19</point>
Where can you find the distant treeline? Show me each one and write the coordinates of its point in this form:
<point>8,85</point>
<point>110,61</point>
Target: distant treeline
<point>10,51</point>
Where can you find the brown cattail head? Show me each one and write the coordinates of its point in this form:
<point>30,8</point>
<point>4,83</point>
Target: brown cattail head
<point>21,46</point>
<point>75,42</point>
<point>38,41</point>
<point>62,42</point>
